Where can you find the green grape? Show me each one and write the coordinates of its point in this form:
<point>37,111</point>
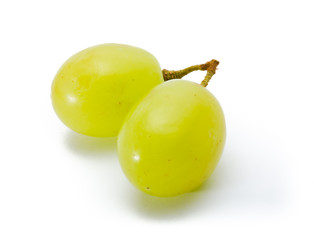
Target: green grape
<point>172,141</point>
<point>95,89</point>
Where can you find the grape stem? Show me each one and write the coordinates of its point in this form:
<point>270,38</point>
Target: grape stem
<point>211,70</point>
<point>210,67</point>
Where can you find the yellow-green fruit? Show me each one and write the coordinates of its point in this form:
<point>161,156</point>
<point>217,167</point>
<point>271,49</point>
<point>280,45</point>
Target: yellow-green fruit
<point>95,89</point>
<point>173,139</point>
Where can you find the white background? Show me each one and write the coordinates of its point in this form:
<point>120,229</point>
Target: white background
<point>56,184</point>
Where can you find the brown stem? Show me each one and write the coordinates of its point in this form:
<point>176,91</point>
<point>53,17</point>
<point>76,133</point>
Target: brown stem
<point>211,70</point>
<point>172,74</point>
<point>210,67</point>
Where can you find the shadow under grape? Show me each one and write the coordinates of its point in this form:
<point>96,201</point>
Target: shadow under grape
<point>91,147</point>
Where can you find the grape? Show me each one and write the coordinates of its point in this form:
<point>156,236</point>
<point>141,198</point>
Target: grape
<point>95,89</point>
<point>172,140</point>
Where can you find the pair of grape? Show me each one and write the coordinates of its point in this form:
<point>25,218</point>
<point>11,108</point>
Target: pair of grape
<point>170,133</point>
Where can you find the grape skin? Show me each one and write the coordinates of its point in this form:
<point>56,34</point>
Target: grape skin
<point>95,89</point>
<point>173,139</point>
